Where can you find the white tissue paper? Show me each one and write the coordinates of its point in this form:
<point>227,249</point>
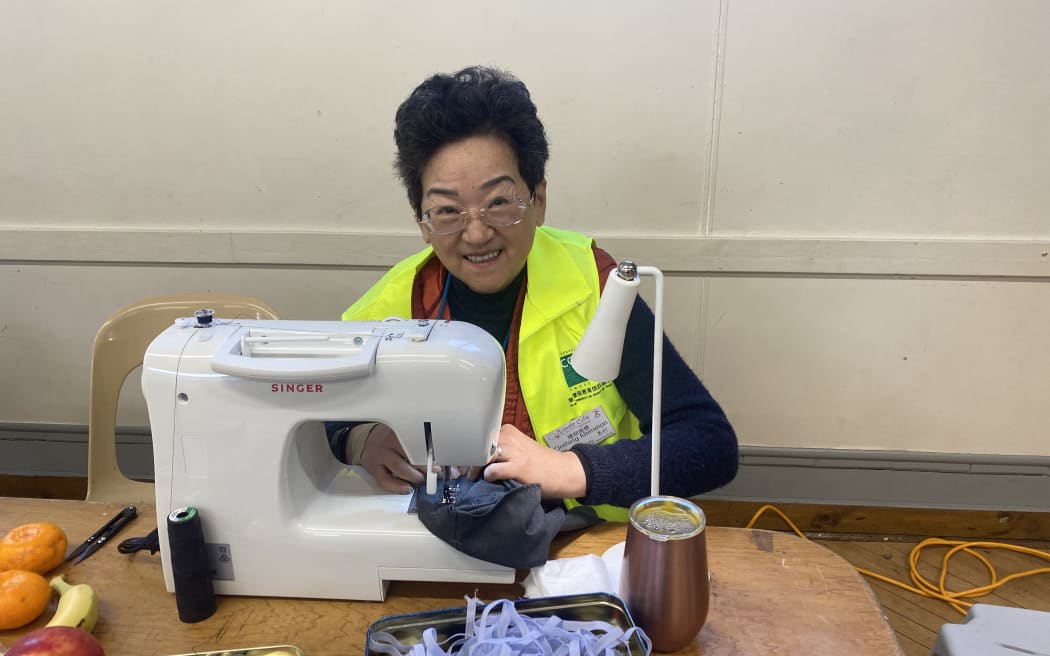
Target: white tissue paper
<point>579,575</point>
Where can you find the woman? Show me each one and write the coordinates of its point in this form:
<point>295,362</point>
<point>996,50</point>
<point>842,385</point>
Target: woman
<point>471,154</point>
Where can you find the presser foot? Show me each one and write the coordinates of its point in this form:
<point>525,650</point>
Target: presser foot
<point>449,494</point>
<point>450,488</point>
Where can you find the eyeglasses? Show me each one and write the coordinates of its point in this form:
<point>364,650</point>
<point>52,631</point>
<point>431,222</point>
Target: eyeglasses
<point>502,210</point>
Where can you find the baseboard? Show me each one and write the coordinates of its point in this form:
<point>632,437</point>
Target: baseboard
<point>43,487</point>
<point>891,479</point>
<point>61,450</point>
<point>767,475</point>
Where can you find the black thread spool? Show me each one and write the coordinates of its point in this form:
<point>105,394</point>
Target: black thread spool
<point>194,592</point>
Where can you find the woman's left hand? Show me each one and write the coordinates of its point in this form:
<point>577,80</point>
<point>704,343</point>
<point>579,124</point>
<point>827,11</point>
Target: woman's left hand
<point>523,459</point>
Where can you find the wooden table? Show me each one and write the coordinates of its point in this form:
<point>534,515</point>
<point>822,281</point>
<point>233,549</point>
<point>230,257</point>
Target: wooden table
<point>772,593</point>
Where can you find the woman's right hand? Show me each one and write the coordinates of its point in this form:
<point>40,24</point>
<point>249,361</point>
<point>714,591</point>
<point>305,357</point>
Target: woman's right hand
<point>384,459</point>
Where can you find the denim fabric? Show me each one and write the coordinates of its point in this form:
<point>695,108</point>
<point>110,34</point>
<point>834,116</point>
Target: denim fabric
<point>503,522</point>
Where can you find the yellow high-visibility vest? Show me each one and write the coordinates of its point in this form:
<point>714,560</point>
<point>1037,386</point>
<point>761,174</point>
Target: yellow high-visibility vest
<point>561,297</point>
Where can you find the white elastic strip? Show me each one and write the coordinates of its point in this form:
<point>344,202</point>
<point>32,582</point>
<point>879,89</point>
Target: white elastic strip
<point>502,631</point>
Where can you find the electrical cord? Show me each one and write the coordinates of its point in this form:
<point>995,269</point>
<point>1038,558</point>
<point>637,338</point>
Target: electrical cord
<point>923,586</point>
<point>131,545</point>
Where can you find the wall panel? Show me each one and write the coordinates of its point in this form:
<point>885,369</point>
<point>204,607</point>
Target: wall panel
<point>952,366</point>
<point>890,119</point>
<point>850,201</point>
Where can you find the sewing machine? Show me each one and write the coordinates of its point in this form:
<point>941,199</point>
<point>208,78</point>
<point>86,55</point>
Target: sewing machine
<point>237,409</point>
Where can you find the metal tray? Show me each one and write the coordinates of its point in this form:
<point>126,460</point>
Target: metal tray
<point>408,628</point>
<point>275,650</point>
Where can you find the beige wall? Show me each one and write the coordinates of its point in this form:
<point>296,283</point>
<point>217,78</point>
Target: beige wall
<point>851,200</point>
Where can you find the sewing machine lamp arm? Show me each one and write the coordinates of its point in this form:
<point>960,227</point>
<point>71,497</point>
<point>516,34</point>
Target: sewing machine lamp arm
<point>598,354</point>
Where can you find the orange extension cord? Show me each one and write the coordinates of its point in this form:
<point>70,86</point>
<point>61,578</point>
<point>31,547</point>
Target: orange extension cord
<point>927,588</point>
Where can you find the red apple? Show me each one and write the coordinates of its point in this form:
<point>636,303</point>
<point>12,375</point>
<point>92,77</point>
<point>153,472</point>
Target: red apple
<point>57,641</point>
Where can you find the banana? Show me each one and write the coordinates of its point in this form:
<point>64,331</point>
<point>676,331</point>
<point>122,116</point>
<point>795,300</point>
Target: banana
<point>77,604</point>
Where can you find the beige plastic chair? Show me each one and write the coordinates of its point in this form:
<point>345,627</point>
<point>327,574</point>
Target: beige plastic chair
<point>119,348</point>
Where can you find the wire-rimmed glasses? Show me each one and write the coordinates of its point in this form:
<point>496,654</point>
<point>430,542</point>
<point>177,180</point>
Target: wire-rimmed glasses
<point>501,211</point>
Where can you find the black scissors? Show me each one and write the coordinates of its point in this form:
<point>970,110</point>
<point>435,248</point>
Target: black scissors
<point>102,536</point>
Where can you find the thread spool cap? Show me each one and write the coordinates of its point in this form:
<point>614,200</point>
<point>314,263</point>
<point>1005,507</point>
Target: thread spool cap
<point>181,515</point>
<point>204,317</point>
<point>627,270</point>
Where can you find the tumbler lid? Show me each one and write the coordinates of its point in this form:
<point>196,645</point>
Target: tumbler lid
<point>667,517</point>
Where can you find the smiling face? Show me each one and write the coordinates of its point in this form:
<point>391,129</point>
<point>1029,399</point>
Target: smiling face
<point>470,173</point>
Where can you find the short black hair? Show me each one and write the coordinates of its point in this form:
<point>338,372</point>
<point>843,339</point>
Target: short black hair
<point>473,101</point>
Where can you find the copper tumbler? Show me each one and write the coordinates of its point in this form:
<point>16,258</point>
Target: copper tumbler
<point>664,579</point>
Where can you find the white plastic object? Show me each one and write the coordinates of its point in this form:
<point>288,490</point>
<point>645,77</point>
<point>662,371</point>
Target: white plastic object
<point>262,354</point>
<point>990,630</point>
<point>597,356</point>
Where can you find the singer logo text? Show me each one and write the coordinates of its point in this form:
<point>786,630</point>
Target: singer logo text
<point>308,388</point>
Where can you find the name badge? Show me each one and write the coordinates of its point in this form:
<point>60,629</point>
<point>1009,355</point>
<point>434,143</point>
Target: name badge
<point>589,428</point>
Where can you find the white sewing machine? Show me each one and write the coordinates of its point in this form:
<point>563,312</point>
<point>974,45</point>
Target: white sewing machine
<point>237,409</point>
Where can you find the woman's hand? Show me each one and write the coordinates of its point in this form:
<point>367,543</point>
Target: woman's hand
<point>383,458</point>
<point>525,460</point>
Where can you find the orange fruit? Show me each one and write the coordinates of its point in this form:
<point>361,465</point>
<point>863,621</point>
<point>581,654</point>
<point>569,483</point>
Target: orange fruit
<point>38,547</point>
<point>23,597</point>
